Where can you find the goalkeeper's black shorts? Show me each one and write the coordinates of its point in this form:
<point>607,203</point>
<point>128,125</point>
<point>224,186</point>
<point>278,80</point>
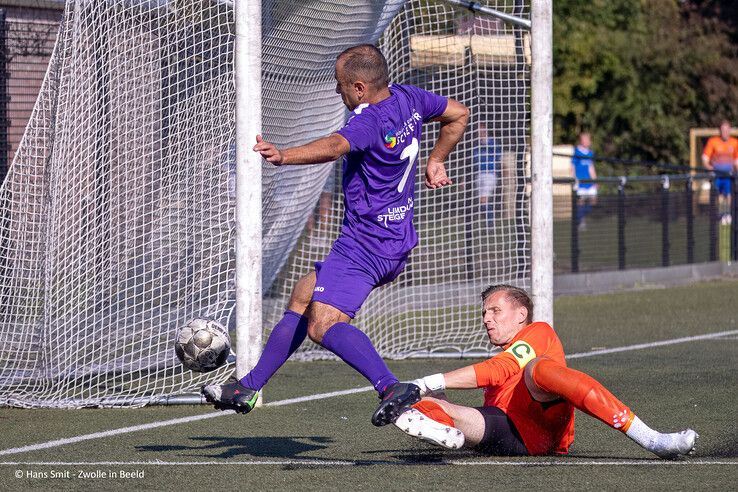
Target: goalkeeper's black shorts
<point>501,438</point>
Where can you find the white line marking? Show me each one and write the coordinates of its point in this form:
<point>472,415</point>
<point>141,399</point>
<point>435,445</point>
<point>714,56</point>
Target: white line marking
<point>662,343</point>
<point>318,462</point>
<point>591,463</point>
<point>114,432</point>
<point>321,396</point>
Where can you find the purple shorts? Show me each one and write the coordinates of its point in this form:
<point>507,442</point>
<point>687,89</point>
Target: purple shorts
<point>349,273</point>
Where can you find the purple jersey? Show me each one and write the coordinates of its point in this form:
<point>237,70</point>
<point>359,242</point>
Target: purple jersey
<point>379,170</point>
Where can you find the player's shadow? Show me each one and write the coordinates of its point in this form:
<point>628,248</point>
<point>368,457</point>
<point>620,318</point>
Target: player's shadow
<point>727,447</point>
<point>260,447</point>
<point>416,455</point>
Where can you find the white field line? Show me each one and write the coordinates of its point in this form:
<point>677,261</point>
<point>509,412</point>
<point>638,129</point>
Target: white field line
<point>321,396</point>
<point>662,343</point>
<point>318,462</point>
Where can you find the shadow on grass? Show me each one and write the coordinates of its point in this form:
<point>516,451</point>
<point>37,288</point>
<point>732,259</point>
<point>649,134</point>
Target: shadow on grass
<point>437,456</point>
<point>260,447</point>
<point>417,455</point>
<point>727,448</point>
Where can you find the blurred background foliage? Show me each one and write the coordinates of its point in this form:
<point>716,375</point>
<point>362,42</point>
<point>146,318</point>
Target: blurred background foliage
<point>638,74</point>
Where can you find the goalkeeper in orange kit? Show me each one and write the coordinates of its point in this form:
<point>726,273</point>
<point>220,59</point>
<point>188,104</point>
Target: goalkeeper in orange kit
<point>529,394</point>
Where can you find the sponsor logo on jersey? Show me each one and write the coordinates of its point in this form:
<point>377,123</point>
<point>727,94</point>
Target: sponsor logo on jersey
<point>407,128</point>
<point>390,141</point>
<point>319,289</point>
<point>395,214</point>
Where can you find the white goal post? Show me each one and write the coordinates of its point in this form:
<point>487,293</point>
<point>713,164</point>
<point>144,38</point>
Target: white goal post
<point>248,185</point>
<point>134,202</point>
<point>541,205</point>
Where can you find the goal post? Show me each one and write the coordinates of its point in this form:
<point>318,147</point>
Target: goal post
<point>248,185</point>
<point>134,202</point>
<point>542,161</point>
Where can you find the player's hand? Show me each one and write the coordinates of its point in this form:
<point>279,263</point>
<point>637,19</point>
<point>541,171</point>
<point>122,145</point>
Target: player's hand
<point>435,175</point>
<point>268,151</point>
<point>429,385</point>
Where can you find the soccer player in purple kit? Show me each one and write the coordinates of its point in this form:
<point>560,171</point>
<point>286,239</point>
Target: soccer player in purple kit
<point>380,142</point>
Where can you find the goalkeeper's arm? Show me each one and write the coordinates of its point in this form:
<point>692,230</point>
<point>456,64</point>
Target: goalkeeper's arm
<point>325,149</point>
<point>491,372</point>
<point>463,378</point>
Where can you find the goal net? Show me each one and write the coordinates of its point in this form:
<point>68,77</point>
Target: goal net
<point>117,213</point>
<point>472,234</point>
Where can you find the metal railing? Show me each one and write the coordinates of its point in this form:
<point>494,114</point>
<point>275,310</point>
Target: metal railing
<point>643,221</point>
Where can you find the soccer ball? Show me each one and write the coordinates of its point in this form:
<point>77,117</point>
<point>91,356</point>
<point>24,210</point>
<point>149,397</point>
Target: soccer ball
<point>202,345</point>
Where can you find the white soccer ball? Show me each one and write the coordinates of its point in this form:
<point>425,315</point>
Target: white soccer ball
<point>202,345</point>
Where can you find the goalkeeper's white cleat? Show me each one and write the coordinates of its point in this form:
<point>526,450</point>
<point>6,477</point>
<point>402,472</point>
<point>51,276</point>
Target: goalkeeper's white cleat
<point>416,424</point>
<point>674,445</point>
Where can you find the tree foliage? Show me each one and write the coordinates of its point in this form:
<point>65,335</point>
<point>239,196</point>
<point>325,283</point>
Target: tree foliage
<point>638,74</point>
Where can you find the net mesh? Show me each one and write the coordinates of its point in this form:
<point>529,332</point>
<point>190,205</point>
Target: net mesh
<point>117,214</point>
<point>473,233</point>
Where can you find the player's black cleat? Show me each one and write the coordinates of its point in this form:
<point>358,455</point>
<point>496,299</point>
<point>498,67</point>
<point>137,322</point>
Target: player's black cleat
<point>395,400</point>
<point>231,396</point>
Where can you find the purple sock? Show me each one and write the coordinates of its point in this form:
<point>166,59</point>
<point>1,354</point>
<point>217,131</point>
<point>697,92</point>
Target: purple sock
<point>286,336</point>
<point>355,348</point>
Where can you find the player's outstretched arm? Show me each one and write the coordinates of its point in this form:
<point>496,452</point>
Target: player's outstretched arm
<point>462,378</point>
<point>491,372</point>
<point>453,124</point>
<point>325,149</point>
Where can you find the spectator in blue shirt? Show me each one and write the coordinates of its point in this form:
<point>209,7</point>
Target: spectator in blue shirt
<point>582,167</point>
<point>487,157</point>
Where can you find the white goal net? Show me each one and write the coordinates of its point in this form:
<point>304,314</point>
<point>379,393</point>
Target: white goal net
<point>472,234</point>
<point>117,213</point>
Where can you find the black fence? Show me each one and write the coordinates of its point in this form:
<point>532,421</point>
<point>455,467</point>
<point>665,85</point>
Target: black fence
<point>642,222</point>
<point>27,36</point>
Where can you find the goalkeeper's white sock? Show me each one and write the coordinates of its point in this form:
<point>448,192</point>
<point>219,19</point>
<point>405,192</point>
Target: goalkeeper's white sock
<point>641,433</point>
<point>664,445</point>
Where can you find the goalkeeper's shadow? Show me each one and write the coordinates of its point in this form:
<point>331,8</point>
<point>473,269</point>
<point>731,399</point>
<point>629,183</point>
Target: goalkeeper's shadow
<point>419,455</point>
<point>285,447</point>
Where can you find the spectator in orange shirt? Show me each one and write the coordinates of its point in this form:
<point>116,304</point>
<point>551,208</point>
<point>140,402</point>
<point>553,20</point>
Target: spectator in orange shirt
<point>721,154</point>
<point>529,394</point>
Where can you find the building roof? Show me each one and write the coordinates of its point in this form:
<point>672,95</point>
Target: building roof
<point>35,4</point>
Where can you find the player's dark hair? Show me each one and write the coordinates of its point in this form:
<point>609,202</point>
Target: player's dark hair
<point>513,294</point>
<point>366,63</point>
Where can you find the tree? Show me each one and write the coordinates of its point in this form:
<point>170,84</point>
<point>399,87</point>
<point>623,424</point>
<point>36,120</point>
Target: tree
<point>638,74</point>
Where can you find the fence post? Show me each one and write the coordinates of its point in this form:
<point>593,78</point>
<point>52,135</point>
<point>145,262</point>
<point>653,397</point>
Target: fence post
<point>690,220</point>
<point>734,221</point>
<point>712,213</point>
<point>574,228</point>
<point>4,99</point>
<point>665,221</point>
<point>621,222</point>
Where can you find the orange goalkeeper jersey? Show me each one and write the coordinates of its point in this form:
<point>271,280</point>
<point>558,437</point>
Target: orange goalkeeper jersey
<point>721,151</point>
<point>545,428</point>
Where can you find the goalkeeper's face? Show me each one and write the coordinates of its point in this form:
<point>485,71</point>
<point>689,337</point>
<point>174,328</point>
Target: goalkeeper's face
<point>503,318</point>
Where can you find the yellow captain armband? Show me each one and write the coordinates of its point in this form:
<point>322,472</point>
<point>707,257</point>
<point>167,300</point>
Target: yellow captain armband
<point>522,352</point>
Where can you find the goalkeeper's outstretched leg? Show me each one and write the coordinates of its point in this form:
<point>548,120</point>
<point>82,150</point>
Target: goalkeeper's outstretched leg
<point>548,381</point>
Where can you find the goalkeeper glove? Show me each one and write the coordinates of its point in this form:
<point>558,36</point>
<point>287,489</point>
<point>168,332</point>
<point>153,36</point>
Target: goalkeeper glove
<point>428,385</point>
